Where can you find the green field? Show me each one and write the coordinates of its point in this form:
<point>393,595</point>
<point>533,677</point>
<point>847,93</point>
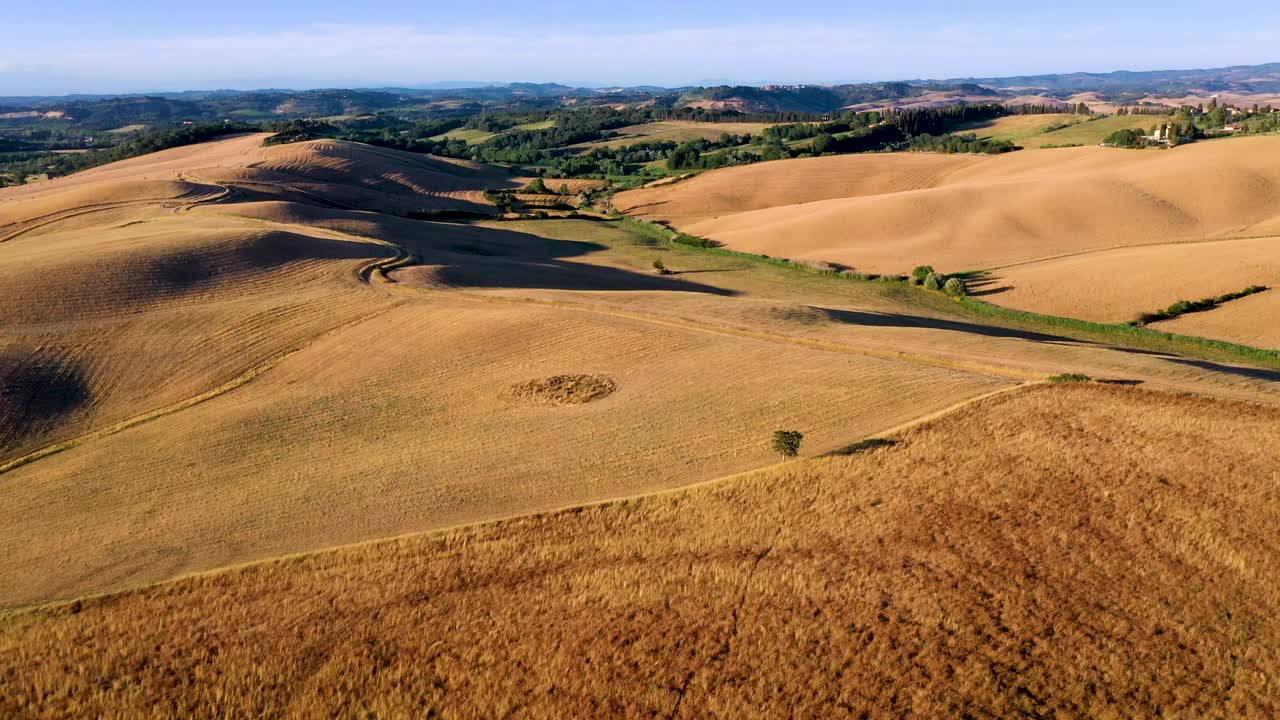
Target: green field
<point>470,135</point>
<point>536,125</point>
<point>1029,131</point>
<point>1020,129</point>
<point>1092,132</point>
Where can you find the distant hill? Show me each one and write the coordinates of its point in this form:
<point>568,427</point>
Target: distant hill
<point>459,98</point>
<point>1239,78</point>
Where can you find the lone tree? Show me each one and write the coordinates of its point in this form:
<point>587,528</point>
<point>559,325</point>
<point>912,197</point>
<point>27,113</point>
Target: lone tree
<point>787,442</point>
<point>955,287</point>
<point>660,267</point>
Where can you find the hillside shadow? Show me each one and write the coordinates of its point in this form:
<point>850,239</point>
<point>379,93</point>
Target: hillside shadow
<point>886,319</point>
<point>35,393</point>
<point>188,270</point>
<point>471,256</point>
<point>983,284</point>
<point>1247,372</point>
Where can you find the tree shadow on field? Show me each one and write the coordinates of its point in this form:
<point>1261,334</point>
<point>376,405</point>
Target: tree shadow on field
<point>984,284</point>
<point>36,391</point>
<point>886,319</point>
<point>861,446</point>
<point>1247,372</point>
<point>473,256</point>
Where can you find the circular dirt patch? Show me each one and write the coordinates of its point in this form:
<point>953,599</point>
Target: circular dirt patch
<point>564,389</point>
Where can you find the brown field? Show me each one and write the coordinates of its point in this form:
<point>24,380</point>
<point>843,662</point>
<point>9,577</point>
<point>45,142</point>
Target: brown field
<point>209,357</point>
<point>1067,551</point>
<point>674,131</point>
<point>393,414</point>
<point>974,212</point>
<point>1249,321</point>
<point>1116,285</point>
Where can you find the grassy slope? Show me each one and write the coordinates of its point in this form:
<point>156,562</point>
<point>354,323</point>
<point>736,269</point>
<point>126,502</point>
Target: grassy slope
<point>1067,551</point>
<point>1029,130</point>
<point>1093,132</point>
<point>470,135</point>
<point>1024,130</point>
<point>673,131</point>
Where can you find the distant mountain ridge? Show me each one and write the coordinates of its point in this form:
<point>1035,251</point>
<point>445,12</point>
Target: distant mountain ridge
<point>460,98</point>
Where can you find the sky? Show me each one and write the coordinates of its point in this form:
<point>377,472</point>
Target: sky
<point>88,46</point>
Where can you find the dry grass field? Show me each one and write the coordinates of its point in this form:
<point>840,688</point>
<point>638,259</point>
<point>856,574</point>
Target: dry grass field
<point>210,357</point>
<point>1070,551</point>
<point>975,212</point>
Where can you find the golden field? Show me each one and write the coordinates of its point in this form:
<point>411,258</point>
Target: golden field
<point>1064,551</point>
<point>976,212</point>
<point>1092,233</point>
<point>232,354</point>
<point>1115,285</point>
<point>1249,321</point>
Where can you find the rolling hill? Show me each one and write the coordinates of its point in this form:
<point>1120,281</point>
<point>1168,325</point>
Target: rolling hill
<point>234,353</point>
<point>1092,233</point>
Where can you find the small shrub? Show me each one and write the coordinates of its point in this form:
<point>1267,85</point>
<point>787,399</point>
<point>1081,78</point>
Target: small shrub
<point>540,215</point>
<point>535,187</point>
<point>955,287</point>
<point>934,281</point>
<point>919,274</point>
<point>694,241</point>
<point>787,442</point>
<point>1070,378</point>
<point>892,278</point>
<point>661,267</point>
<point>817,266</point>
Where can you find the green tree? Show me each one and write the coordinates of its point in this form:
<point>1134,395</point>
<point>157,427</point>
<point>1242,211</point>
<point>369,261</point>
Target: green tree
<point>787,442</point>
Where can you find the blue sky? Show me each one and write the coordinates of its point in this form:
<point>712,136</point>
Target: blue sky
<point>49,48</point>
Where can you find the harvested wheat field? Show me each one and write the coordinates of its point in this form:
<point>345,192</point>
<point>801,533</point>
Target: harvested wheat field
<point>101,326</point>
<point>974,212</point>
<point>1116,285</point>
<point>1249,321</point>
<point>407,421</point>
<point>293,401</point>
<point>1072,551</point>
<point>208,358</point>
